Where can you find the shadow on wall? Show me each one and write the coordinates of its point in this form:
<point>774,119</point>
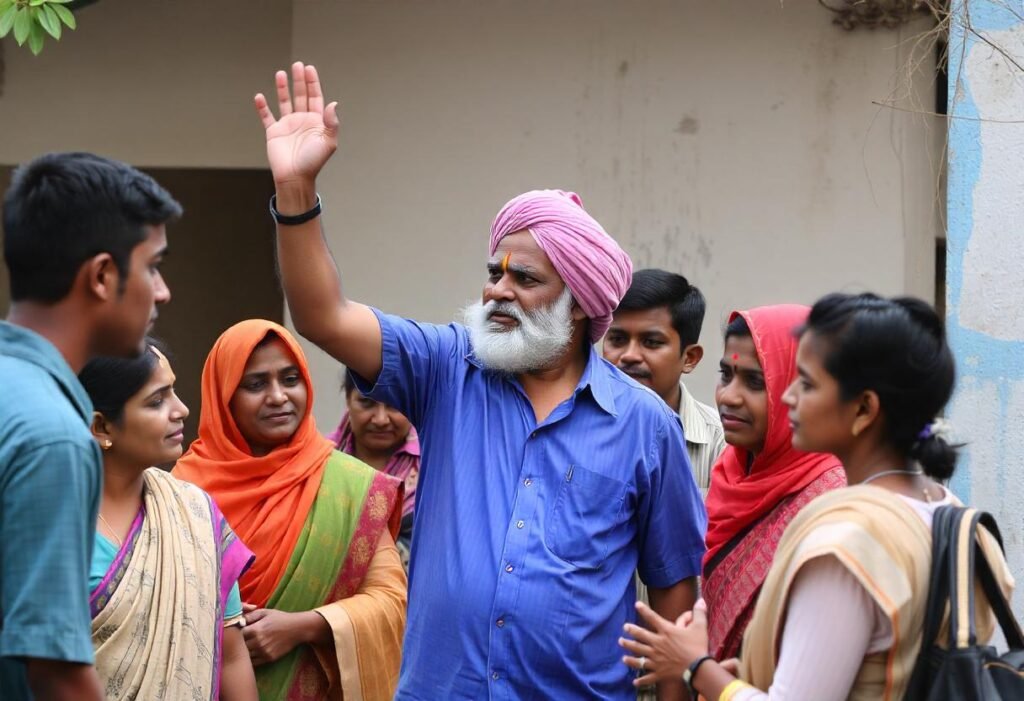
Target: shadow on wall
<point>220,269</point>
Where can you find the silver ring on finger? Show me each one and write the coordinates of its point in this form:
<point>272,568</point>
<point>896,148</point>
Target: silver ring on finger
<point>643,663</point>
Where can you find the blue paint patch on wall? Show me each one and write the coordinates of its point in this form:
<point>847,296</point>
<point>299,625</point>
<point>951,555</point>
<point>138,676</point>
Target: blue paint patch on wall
<point>980,358</point>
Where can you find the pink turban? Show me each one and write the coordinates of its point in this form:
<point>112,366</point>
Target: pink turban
<point>596,270</point>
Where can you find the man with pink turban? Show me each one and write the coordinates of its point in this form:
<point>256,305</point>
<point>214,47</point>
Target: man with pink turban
<point>546,476</point>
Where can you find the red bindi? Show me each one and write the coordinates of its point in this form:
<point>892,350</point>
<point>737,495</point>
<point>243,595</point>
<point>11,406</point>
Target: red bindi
<point>735,357</point>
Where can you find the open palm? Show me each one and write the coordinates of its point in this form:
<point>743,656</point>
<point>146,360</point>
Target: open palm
<point>302,140</point>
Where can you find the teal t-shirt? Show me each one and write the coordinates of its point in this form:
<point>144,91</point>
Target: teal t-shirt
<point>103,555</point>
<point>51,477</point>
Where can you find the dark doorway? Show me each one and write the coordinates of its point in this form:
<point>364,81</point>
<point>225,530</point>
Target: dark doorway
<point>221,266</point>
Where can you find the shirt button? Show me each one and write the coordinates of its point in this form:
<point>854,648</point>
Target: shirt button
<point>527,481</point>
<point>509,568</point>
<point>501,622</point>
<point>494,675</point>
<point>520,524</point>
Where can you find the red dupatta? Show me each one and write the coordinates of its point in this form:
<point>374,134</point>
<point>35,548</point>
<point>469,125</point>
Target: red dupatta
<point>747,511</point>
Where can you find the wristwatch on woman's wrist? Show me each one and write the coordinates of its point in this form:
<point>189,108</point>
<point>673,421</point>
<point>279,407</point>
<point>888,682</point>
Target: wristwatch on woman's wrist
<point>690,672</point>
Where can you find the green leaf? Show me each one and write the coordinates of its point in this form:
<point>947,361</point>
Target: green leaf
<point>22,25</point>
<point>59,2</point>
<point>50,22</point>
<point>35,39</point>
<point>65,15</point>
<point>7,20</point>
<point>36,3</point>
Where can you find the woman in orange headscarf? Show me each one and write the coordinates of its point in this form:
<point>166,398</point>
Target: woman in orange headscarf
<point>325,598</point>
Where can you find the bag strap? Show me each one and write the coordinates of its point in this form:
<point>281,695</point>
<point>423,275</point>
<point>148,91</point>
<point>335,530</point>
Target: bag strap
<point>993,592</point>
<point>960,572</point>
<point>944,527</point>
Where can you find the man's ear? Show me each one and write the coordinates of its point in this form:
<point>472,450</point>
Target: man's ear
<point>102,278</point>
<point>577,311</point>
<point>692,355</point>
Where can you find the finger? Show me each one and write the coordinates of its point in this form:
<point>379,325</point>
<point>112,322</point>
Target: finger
<point>646,680</point>
<point>634,662</point>
<point>653,619</point>
<point>686,619</point>
<point>263,110</point>
<point>636,648</point>
<point>731,665</point>
<point>254,617</point>
<point>331,118</point>
<point>299,87</point>
<point>284,98</point>
<point>639,634</point>
<point>246,608</point>
<point>313,91</point>
<point>700,613</point>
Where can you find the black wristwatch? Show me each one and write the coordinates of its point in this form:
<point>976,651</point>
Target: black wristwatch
<point>690,672</point>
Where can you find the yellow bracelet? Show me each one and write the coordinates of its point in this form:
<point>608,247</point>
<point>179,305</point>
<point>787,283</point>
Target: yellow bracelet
<point>731,689</point>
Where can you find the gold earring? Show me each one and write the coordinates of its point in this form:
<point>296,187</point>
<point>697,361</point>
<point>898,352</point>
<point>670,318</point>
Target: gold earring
<point>107,445</point>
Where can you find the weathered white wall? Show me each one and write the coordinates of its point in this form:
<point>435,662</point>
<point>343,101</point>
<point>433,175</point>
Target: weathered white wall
<point>152,82</point>
<point>986,265</point>
<point>734,142</point>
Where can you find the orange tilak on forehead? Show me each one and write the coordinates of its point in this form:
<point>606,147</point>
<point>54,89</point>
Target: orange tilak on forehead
<point>505,262</point>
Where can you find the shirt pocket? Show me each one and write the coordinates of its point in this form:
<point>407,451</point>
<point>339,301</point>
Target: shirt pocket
<point>587,508</point>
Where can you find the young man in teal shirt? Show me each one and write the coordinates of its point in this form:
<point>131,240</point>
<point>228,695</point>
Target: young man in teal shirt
<point>84,238</point>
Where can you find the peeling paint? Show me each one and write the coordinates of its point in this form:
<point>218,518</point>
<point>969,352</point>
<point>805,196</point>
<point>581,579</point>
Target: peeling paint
<point>985,263</point>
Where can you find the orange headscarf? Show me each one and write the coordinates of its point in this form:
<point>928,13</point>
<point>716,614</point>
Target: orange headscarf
<point>265,499</point>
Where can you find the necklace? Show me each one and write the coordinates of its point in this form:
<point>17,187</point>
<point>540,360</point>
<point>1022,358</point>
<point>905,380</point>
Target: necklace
<point>113,534</point>
<point>886,473</point>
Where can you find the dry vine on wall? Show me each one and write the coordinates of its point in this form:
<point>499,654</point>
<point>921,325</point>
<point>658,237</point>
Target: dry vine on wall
<point>851,14</point>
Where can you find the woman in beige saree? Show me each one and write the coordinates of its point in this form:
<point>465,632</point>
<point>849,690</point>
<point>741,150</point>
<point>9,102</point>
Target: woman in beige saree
<point>841,613</point>
<point>166,612</point>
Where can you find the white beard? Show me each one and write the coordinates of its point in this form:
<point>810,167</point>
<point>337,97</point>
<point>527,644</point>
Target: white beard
<point>540,338</point>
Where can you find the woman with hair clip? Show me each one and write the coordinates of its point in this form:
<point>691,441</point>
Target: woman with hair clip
<point>166,612</point>
<point>842,609</point>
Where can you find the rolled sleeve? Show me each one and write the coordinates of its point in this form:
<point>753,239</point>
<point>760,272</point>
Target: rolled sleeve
<point>416,360</point>
<point>50,495</point>
<point>672,516</point>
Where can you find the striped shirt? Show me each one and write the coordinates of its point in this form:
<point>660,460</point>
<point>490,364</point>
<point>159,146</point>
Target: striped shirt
<point>705,439</point>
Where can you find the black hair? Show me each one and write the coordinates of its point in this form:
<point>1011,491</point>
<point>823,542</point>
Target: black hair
<point>268,339</point>
<point>738,327</point>
<point>896,348</point>
<point>654,288</point>
<point>350,384</point>
<point>110,382</point>
<point>64,208</point>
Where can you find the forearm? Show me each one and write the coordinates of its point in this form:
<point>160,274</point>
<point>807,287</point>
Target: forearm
<point>237,679</point>
<point>309,275</point>
<point>51,680</point>
<point>314,629</point>
<point>671,603</point>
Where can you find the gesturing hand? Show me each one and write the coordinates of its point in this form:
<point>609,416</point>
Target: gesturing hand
<point>667,648</point>
<point>270,634</point>
<point>301,141</point>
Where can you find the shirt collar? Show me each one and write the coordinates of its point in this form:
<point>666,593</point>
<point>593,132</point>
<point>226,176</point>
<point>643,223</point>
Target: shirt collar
<point>595,377</point>
<point>411,445</point>
<point>694,427</point>
<point>27,345</point>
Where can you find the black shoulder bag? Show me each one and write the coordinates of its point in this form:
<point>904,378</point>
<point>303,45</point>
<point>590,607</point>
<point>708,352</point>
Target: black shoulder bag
<point>966,671</point>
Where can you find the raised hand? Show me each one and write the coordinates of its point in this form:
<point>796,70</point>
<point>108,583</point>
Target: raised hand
<point>305,135</point>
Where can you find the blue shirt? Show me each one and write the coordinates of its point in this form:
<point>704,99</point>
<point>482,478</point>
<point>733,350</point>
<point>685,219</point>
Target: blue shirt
<point>527,536</point>
<point>51,476</point>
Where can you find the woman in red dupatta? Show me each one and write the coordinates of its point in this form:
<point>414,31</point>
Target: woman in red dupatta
<point>325,598</point>
<point>760,482</point>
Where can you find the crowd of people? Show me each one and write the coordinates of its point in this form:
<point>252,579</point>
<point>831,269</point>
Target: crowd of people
<point>529,504</point>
